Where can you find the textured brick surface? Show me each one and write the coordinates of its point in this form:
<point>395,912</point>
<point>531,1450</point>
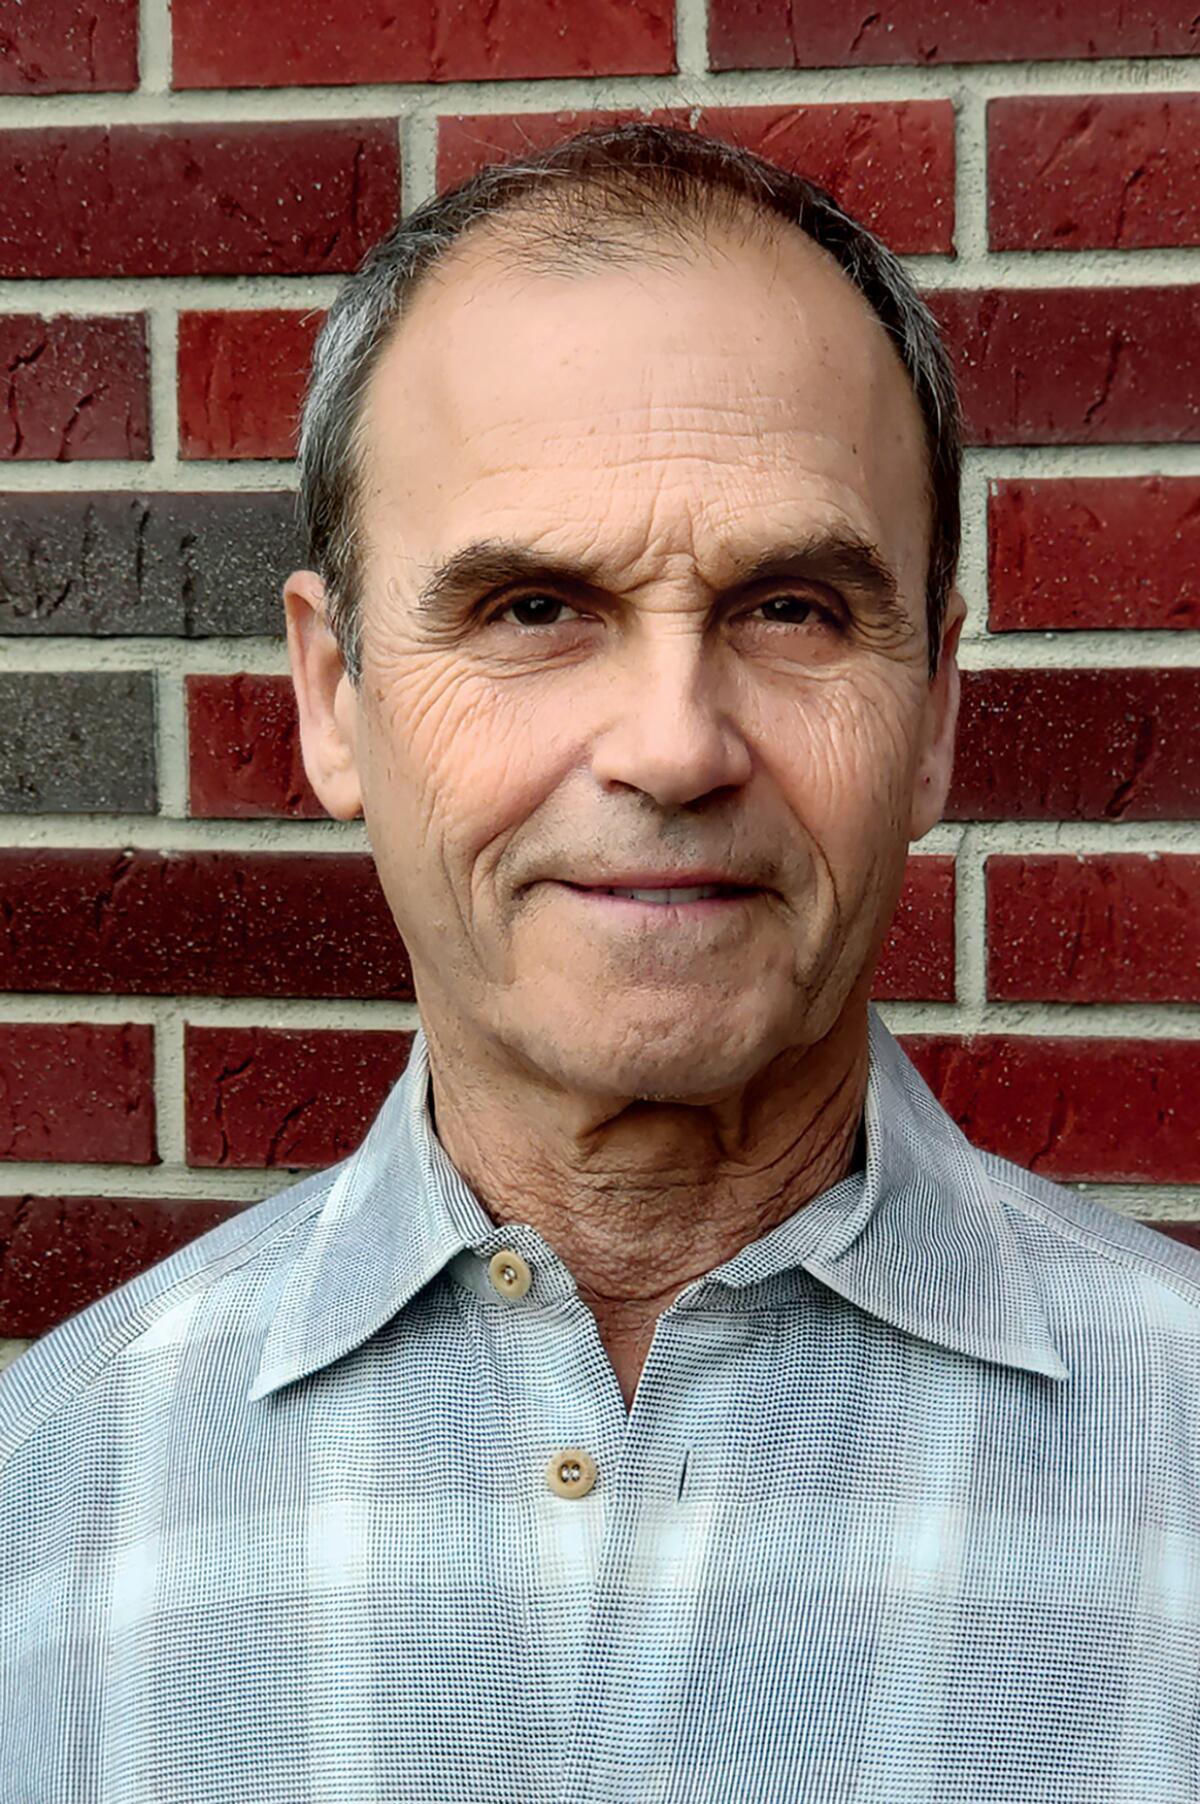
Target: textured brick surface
<point>270,43</point>
<point>1094,551</point>
<point>1122,928</point>
<point>1121,745</point>
<point>244,756</point>
<point>107,564</point>
<point>294,1097</point>
<point>918,955</point>
<point>60,1253</point>
<point>891,164</point>
<point>812,34</point>
<point>77,742</point>
<point>180,200</point>
<point>77,1091</point>
<point>65,47</point>
<point>74,386</point>
<point>198,924</point>
<point>1110,171</point>
<point>1072,1109</point>
<point>1061,366</point>
<point>241,381</point>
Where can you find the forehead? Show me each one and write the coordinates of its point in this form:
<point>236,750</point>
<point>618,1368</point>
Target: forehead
<point>683,404</point>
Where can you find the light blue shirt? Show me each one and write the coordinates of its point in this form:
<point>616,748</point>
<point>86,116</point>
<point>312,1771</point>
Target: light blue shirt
<point>906,1511</point>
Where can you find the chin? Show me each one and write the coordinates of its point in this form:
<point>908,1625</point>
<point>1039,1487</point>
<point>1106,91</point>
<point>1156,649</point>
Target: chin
<point>682,1060</point>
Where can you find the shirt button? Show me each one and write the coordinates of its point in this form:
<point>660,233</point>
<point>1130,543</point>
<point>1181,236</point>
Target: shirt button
<point>509,1273</point>
<point>571,1473</point>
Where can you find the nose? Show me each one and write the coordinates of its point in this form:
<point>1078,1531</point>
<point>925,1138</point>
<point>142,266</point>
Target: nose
<point>671,733</point>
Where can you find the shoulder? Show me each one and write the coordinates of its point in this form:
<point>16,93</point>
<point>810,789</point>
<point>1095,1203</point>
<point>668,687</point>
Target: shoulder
<point>1071,1236</point>
<point>230,1264</point>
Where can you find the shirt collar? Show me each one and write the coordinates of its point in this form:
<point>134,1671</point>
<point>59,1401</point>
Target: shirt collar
<point>921,1239</point>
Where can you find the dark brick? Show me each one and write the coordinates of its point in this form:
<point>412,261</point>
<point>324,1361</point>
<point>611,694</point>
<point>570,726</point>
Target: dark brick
<point>1105,552</point>
<point>890,163</point>
<point>210,199</point>
<point>917,962</point>
<point>1075,1110</point>
<point>241,381</point>
<point>77,742</point>
<point>1122,928</point>
<point>75,386</point>
<point>297,1097</point>
<point>60,1253</point>
<point>77,1091</point>
<point>244,755</point>
<point>109,564</point>
<point>1093,171</point>
<point>198,924</point>
<point>64,47</point>
<point>1086,745</point>
<point>816,34</point>
<point>286,43</point>
<point>1062,366</point>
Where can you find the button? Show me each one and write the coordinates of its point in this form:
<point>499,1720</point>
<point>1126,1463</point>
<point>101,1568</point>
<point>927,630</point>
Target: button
<point>571,1473</point>
<point>509,1273</point>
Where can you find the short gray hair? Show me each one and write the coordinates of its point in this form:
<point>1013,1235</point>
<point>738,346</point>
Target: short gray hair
<point>603,196</point>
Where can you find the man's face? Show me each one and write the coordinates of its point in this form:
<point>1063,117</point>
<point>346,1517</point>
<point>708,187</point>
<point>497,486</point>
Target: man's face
<point>638,709</point>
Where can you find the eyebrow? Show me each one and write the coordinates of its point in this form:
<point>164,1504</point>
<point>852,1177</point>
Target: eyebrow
<point>839,558</point>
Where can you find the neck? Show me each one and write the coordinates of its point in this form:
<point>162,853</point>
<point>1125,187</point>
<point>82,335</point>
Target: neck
<point>641,1198</point>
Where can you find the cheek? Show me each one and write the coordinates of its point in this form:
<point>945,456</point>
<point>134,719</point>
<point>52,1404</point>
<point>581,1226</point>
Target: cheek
<point>463,757</point>
<point>851,751</point>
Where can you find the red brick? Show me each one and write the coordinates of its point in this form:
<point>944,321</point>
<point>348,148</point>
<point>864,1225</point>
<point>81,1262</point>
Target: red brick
<point>299,1097</point>
<point>294,43</point>
<point>1101,1111</point>
<point>1077,745</point>
<point>198,924</point>
<point>76,386</point>
<point>1186,1232</point>
<point>1061,366</point>
<point>890,163</point>
<point>244,754</point>
<point>815,34</point>
<point>63,47</point>
<point>210,199</point>
<point>241,381</point>
<point>1105,552</point>
<point>79,1092</point>
<point>1100,171</point>
<point>1122,928</point>
<point>60,1253</point>
<point>917,963</point>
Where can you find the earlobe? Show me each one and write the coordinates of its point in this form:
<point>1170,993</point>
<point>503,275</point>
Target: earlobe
<point>935,765</point>
<point>326,703</point>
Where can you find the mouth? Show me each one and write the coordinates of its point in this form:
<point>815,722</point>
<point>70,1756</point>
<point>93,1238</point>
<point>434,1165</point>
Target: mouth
<point>698,897</point>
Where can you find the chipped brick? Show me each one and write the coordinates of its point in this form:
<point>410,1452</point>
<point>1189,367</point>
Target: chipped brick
<point>108,564</point>
<point>241,381</point>
<point>294,1097</point>
<point>65,47</point>
<point>1074,1110</point>
<point>74,386</point>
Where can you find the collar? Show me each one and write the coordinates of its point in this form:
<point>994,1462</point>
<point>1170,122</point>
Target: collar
<point>921,1239</point>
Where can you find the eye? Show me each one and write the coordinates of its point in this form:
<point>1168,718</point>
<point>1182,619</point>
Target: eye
<point>797,610</point>
<point>533,610</point>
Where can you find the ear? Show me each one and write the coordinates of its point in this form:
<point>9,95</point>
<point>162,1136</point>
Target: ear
<point>326,700</point>
<point>935,761</point>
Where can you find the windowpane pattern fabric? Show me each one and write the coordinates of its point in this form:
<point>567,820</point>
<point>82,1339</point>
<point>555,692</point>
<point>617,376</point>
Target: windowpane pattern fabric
<point>907,1509</point>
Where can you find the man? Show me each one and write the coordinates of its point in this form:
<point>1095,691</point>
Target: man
<point>666,1402</point>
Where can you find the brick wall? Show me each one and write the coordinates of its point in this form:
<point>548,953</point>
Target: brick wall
<point>203,991</point>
